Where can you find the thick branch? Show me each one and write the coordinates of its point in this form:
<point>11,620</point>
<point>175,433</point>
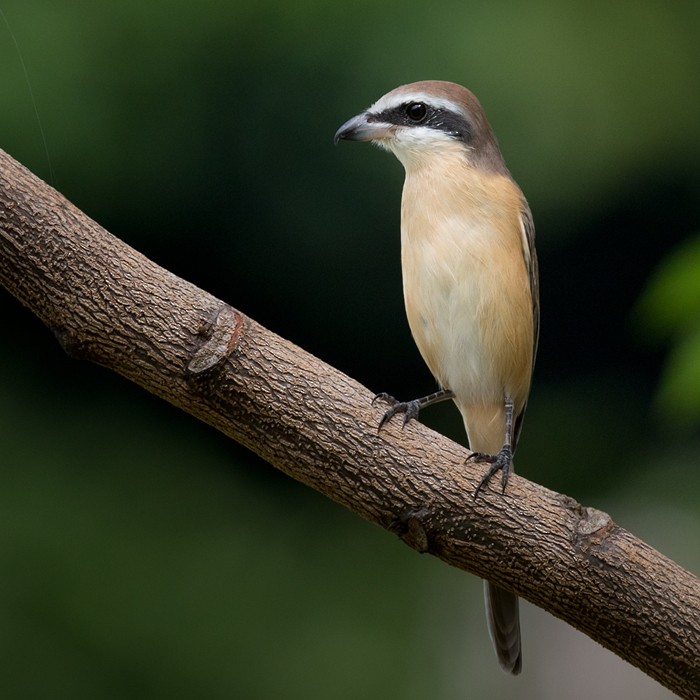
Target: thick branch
<point>108,303</point>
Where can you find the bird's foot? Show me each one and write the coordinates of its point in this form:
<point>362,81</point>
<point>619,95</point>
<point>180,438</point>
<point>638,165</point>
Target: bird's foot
<point>499,462</point>
<point>410,409</point>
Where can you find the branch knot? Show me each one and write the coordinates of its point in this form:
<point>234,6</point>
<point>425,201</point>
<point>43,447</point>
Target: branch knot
<point>222,333</point>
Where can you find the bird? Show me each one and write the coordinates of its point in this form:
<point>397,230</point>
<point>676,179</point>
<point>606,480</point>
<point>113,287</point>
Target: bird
<point>470,281</point>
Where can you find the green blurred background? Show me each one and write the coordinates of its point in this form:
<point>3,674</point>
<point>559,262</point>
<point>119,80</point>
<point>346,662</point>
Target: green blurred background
<point>142,554</point>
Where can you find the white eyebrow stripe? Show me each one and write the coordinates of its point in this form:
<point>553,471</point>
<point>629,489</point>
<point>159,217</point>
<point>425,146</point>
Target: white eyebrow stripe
<point>398,99</point>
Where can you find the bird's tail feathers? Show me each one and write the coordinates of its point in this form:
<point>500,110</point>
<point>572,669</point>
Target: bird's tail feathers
<point>503,621</point>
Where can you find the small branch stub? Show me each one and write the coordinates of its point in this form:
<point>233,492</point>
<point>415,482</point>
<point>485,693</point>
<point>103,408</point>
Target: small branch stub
<point>222,337</point>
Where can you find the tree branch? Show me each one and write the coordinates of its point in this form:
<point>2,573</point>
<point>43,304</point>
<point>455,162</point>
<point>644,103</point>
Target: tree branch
<point>107,303</point>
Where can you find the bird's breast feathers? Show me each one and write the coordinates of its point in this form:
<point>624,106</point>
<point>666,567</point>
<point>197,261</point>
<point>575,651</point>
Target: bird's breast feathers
<point>466,284</point>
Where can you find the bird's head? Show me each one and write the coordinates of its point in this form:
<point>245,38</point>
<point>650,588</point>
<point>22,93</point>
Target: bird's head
<point>425,120</point>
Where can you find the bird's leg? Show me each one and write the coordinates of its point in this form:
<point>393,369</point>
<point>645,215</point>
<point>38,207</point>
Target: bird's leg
<point>503,459</point>
<point>410,409</point>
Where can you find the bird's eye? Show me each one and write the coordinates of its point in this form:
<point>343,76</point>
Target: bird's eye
<point>416,111</point>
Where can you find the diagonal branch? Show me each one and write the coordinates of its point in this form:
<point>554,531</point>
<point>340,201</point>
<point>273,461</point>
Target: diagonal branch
<point>107,303</point>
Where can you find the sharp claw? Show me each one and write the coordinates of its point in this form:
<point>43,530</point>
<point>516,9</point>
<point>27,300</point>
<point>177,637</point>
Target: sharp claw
<point>410,409</point>
<point>481,457</point>
<point>501,462</point>
<point>388,415</point>
<point>504,477</point>
<point>383,396</point>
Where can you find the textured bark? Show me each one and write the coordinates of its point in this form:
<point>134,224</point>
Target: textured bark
<point>107,303</point>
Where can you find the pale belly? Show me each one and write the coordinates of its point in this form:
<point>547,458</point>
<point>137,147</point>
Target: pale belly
<point>471,319</point>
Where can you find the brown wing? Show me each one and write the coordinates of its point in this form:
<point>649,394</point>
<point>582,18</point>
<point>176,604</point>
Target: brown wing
<point>527,227</point>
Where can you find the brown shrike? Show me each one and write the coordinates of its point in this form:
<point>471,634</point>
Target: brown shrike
<point>469,280</point>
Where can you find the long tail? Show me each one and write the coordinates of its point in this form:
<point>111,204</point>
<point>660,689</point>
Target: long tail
<point>504,626</point>
<point>486,427</point>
